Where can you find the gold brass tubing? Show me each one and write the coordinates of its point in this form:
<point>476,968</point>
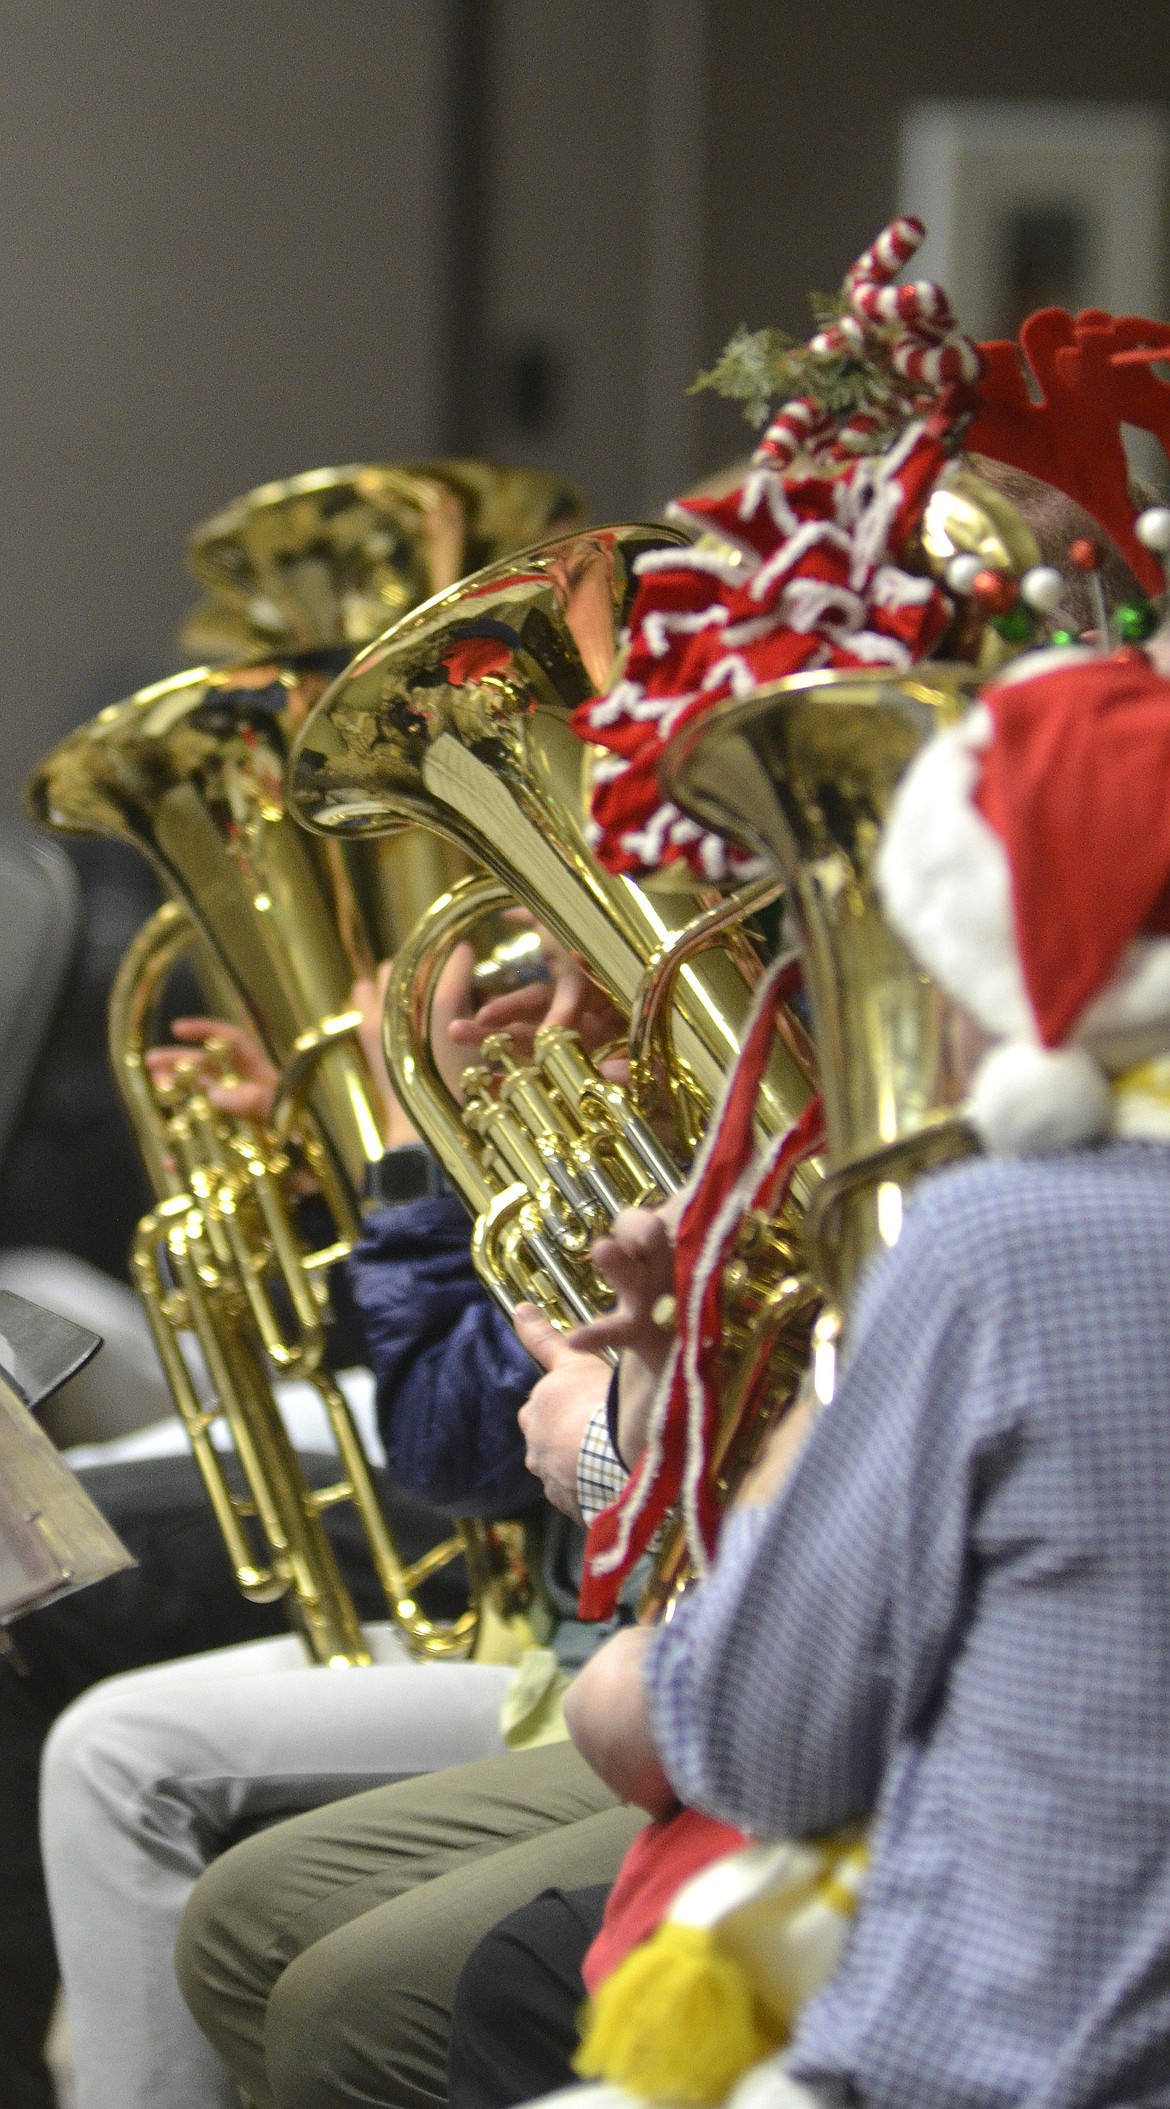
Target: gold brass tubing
<point>218,1239</point>
<point>302,1561</point>
<point>406,1038</point>
<point>148,960</point>
<point>459,719</point>
<point>190,772</point>
<point>803,771</point>
<point>600,1101</point>
<point>400,1581</point>
<point>650,1040</point>
<point>940,1139</point>
<point>522,1160</point>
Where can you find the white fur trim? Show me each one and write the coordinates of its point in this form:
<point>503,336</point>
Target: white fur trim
<point>1128,1020</point>
<point>945,884</point>
<point>1026,1099</point>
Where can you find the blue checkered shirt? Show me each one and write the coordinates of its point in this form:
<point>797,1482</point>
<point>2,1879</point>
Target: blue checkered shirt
<point>957,1616</point>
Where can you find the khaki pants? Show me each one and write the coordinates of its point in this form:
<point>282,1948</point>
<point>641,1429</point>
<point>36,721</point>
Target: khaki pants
<point>320,1957</point>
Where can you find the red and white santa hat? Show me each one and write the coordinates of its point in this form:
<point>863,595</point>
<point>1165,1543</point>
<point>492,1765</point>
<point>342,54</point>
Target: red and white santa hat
<point>1026,864</point>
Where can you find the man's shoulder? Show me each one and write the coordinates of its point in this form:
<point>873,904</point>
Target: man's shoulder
<point>986,1210</point>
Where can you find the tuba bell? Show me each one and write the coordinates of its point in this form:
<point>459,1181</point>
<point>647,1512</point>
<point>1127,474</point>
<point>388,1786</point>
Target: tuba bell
<point>803,773</point>
<point>190,771</point>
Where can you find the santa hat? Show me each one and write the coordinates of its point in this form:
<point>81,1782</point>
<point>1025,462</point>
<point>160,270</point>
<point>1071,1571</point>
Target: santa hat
<point>1026,864</point>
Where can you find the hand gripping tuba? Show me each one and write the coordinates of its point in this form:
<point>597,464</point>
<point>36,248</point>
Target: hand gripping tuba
<point>191,772</point>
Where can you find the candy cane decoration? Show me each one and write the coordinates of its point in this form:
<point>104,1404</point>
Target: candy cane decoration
<point>891,252</point>
<point>802,425</point>
<point>911,330</point>
<point>929,350</point>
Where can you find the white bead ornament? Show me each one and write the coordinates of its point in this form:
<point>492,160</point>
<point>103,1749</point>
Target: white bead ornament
<point>962,572</point>
<point>1153,529</point>
<point>1042,589</point>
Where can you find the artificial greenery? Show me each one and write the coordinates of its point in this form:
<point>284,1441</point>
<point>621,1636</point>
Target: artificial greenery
<point>759,368</point>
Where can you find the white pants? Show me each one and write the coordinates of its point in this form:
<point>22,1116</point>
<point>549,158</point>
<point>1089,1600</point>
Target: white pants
<point>147,1777</point>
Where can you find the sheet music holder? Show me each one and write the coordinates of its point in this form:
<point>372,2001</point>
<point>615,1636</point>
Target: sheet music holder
<point>53,1539</point>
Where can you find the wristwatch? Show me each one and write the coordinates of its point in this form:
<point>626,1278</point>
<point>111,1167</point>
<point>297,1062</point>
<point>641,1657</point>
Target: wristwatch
<point>406,1173</point>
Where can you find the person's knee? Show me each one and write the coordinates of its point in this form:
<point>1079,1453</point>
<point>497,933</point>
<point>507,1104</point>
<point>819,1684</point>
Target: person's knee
<point>355,2020</point>
<point>300,2051</point>
<point>220,1965</point>
<point>314,2054</point>
<point>90,1759</point>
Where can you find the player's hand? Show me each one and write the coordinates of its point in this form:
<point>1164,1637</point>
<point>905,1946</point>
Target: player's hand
<point>636,1259</point>
<point>568,998</point>
<point>251,1092</point>
<point>559,1407</point>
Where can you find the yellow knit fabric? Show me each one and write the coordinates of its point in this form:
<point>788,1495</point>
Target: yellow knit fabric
<point>677,2021</point>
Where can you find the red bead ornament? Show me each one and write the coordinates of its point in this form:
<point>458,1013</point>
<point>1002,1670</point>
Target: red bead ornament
<point>993,594</point>
<point>1084,554</point>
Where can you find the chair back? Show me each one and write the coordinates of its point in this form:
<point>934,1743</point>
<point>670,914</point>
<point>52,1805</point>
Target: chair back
<point>40,923</point>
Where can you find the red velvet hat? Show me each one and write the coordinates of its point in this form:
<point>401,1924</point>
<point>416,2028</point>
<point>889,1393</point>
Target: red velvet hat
<point>1026,863</point>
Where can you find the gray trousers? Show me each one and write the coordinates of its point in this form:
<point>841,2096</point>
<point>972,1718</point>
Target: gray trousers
<point>321,1957</point>
<point>150,1775</point>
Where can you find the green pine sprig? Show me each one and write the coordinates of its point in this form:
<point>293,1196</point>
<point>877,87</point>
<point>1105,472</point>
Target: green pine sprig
<point>761,368</point>
<point>754,368</point>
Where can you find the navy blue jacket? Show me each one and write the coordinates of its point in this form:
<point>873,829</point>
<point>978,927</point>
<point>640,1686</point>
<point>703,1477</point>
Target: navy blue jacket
<point>451,1375</point>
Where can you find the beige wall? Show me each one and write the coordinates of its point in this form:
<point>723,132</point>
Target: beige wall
<point>802,118</point>
<point>218,226</point>
<point>223,249</point>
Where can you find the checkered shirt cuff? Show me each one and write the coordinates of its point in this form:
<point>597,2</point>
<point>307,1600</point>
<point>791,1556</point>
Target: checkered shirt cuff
<point>601,1474</point>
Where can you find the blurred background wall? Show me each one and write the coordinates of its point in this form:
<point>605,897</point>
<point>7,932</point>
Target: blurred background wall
<point>241,238</point>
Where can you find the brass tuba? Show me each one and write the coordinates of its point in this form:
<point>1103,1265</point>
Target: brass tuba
<point>459,719</point>
<point>191,772</point>
<point>804,772</point>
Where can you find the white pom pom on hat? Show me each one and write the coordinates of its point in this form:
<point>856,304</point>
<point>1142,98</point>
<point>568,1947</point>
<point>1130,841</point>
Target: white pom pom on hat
<point>1026,863</point>
<point>1026,1099</point>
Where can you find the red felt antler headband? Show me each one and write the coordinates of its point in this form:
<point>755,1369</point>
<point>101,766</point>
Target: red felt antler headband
<point>1094,373</point>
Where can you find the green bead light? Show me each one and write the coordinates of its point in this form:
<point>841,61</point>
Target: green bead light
<point>1016,626</point>
<point>1134,621</point>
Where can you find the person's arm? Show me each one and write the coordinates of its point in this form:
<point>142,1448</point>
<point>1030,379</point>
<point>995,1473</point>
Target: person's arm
<point>775,1693</point>
<point>451,1375</point>
<point>607,1715</point>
